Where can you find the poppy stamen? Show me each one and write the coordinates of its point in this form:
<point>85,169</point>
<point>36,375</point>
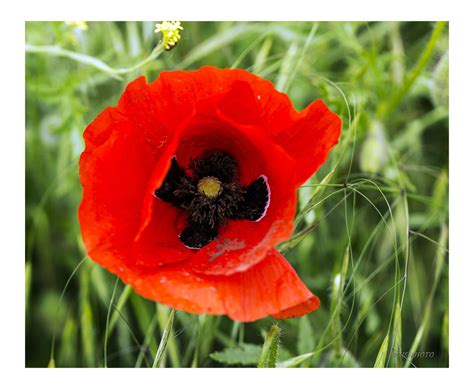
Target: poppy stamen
<point>211,195</point>
<point>209,186</point>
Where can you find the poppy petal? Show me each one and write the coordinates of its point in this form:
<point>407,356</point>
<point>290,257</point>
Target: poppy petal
<point>271,287</point>
<point>300,309</point>
<point>274,284</point>
<point>110,209</point>
<point>253,97</point>
<point>115,171</point>
<point>159,244</point>
<point>310,138</point>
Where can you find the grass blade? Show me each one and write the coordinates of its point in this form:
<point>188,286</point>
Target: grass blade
<point>399,94</point>
<point>162,317</point>
<point>120,304</point>
<point>382,354</point>
<point>160,353</point>
<point>439,265</point>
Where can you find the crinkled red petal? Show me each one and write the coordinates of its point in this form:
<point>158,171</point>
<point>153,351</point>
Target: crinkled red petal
<point>310,138</point>
<point>123,147</point>
<point>259,98</point>
<point>300,309</point>
<point>270,287</point>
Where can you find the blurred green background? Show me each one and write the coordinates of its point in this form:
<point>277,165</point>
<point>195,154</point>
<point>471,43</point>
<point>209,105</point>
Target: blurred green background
<point>372,228</point>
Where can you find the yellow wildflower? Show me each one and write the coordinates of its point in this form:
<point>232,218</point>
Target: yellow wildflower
<point>170,31</point>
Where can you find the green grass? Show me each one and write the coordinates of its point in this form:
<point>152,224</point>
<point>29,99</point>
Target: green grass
<point>372,228</point>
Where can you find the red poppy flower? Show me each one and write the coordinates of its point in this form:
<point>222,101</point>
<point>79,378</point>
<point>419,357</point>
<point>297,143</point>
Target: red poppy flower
<point>191,181</point>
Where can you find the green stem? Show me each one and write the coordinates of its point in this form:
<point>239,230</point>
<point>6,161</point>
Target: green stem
<point>92,61</point>
<point>270,348</point>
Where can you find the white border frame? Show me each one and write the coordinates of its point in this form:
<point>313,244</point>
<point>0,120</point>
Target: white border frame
<point>13,170</point>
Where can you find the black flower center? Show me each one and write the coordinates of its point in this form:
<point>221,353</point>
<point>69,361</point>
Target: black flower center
<point>209,192</point>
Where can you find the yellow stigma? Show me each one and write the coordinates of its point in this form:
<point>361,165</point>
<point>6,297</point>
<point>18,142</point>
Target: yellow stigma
<point>209,186</point>
<point>170,31</point>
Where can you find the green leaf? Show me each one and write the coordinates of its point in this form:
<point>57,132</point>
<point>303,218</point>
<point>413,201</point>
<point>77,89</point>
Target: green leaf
<point>245,354</point>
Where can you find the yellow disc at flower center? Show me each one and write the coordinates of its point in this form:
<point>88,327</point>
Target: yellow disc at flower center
<point>209,186</point>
